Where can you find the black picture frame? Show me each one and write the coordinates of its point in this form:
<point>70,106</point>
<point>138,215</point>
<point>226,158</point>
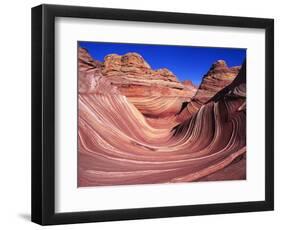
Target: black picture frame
<point>43,114</point>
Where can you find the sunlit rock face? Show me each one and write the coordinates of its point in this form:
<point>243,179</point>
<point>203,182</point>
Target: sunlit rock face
<point>134,137</point>
<point>157,94</point>
<point>90,77</point>
<point>135,78</point>
<point>218,77</point>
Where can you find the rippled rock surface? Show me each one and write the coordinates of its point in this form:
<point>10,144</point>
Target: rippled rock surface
<point>218,77</point>
<point>126,136</point>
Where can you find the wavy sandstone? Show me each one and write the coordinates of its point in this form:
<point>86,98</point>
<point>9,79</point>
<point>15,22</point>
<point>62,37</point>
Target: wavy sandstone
<point>119,144</point>
<point>218,77</point>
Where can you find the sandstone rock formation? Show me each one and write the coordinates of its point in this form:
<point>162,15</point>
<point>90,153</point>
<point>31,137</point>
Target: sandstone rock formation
<point>156,93</point>
<point>217,78</point>
<point>90,78</point>
<point>134,77</point>
<point>117,144</point>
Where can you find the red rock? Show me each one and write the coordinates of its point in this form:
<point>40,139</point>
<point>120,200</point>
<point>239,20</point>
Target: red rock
<point>116,145</point>
<point>218,77</point>
<point>85,61</point>
<point>156,93</point>
<point>131,70</point>
<point>91,79</point>
<point>189,86</point>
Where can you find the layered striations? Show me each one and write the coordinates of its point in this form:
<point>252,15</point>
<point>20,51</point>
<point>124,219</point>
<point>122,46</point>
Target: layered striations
<point>218,77</point>
<point>156,93</point>
<point>117,143</point>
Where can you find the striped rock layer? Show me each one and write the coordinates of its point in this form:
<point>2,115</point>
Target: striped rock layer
<point>118,145</point>
<point>218,77</point>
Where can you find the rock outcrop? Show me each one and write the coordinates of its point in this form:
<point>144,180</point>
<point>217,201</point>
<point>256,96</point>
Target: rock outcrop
<point>156,93</point>
<point>218,77</point>
<point>189,86</point>
<point>91,79</point>
<point>117,146</point>
<point>134,77</point>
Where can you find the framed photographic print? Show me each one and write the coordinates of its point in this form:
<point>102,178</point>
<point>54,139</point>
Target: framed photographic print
<point>143,114</point>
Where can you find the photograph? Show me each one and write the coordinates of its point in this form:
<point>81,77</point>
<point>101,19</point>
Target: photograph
<point>141,114</point>
<point>151,113</point>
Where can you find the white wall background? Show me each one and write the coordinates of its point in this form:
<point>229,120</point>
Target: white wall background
<point>15,114</point>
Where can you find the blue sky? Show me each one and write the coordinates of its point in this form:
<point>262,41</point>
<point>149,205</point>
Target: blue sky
<point>186,62</point>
